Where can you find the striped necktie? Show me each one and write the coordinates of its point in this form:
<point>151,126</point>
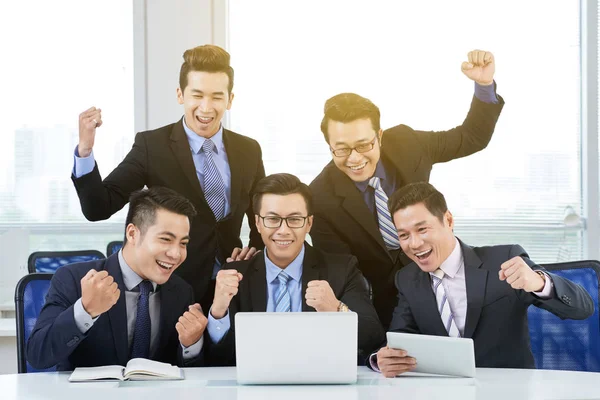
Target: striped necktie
<point>443,304</point>
<point>214,187</point>
<point>386,226</point>
<point>282,297</point>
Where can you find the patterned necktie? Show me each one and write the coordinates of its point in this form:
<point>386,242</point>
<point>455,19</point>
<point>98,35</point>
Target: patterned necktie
<point>140,347</point>
<point>282,297</point>
<point>214,188</point>
<point>443,304</point>
<point>386,226</point>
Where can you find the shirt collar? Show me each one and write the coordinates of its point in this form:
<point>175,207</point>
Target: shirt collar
<point>452,264</point>
<point>379,172</point>
<point>294,269</point>
<point>130,278</point>
<point>196,141</point>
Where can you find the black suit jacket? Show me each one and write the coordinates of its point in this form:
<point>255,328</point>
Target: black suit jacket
<point>56,340</point>
<point>340,271</point>
<point>162,157</point>
<point>496,313</point>
<point>344,224</point>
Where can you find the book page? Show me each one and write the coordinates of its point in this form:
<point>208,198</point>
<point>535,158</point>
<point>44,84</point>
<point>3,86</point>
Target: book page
<point>149,369</point>
<point>83,374</point>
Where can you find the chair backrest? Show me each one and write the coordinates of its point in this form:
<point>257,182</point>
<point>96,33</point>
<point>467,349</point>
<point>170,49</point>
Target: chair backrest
<point>50,261</point>
<point>568,344</point>
<point>30,296</point>
<point>113,247</point>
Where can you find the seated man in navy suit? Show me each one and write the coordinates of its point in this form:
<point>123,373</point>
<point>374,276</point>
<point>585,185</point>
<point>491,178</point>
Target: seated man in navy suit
<point>290,276</point>
<point>129,305</point>
<point>452,289</point>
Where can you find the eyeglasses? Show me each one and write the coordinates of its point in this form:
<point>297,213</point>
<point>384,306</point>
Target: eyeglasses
<point>272,221</point>
<point>361,148</point>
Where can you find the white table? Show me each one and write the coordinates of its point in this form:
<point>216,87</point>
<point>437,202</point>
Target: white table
<point>220,383</point>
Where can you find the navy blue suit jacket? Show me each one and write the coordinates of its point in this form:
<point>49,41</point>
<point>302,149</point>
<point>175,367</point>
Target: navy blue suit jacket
<point>56,340</point>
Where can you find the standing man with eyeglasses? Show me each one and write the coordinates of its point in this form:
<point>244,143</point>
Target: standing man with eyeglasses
<point>290,276</point>
<point>369,164</point>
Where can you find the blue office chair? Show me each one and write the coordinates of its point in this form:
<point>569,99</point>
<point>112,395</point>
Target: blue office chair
<point>50,261</point>
<point>113,247</point>
<point>30,296</point>
<point>568,344</point>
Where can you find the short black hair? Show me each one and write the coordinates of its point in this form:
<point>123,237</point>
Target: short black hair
<point>419,192</point>
<point>349,107</point>
<point>281,184</point>
<point>144,203</point>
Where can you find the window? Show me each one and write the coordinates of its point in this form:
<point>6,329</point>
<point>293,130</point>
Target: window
<point>406,57</point>
<point>55,66</point>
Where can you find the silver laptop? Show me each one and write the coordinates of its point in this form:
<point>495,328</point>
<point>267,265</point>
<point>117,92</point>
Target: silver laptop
<point>296,348</point>
<point>437,354</point>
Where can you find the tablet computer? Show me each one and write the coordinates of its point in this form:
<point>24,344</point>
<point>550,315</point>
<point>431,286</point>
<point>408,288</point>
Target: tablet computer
<point>437,354</point>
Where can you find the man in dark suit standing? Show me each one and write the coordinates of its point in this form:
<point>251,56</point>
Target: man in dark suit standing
<point>213,167</point>
<point>452,289</point>
<point>291,276</point>
<point>369,164</point>
<point>130,305</point>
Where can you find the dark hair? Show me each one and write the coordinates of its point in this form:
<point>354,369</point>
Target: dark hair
<point>281,184</point>
<point>144,203</point>
<point>419,192</point>
<point>348,107</point>
<point>207,58</point>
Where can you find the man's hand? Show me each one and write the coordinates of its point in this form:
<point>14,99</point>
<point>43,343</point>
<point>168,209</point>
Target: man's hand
<point>480,67</point>
<point>191,325</point>
<point>226,286</point>
<point>99,292</point>
<point>241,254</point>
<point>320,296</point>
<point>392,362</point>
<point>89,120</point>
<point>519,275</point>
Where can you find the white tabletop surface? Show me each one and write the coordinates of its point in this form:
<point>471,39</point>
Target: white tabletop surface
<point>220,383</point>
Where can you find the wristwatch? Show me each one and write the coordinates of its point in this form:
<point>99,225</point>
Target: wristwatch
<point>343,308</point>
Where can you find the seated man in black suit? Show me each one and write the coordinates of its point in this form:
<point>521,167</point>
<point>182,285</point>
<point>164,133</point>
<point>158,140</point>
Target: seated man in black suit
<point>488,289</point>
<point>290,276</point>
<point>129,305</point>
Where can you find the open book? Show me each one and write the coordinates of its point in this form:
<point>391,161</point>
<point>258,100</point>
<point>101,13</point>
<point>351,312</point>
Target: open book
<point>137,369</point>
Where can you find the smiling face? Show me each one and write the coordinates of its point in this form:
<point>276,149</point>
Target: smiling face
<point>205,100</point>
<point>283,244</point>
<point>358,166</point>
<point>423,237</point>
<point>156,253</point>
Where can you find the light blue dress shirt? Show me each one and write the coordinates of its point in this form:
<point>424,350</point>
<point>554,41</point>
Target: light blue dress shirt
<point>217,328</point>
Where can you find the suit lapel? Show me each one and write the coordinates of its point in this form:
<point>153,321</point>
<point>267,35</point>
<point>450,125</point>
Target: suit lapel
<point>235,157</point>
<point>475,281</point>
<point>258,284</point>
<point>118,313</point>
<point>311,271</point>
<point>181,149</point>
<point>428,303</point>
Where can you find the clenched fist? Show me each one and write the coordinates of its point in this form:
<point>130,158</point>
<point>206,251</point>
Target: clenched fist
<point>226,286</point>
<point>89,120</point>
<point>480,67</point>
<point>320,296</point>
<point>99,292</point>
<point>519,275</point>
<point>191,325</point>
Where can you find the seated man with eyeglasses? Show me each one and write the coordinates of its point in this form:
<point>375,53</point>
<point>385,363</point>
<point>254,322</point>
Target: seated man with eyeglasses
<point>290,276</point>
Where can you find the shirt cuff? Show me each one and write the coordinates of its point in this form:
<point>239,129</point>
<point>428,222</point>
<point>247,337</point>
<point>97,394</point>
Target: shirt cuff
<point>194,350</point>
<point>487,94</point>
<point>217,328</point>
<point>373,362</point>
<point>83,320</point>
<point>548,290</point>
<point>83,165</point>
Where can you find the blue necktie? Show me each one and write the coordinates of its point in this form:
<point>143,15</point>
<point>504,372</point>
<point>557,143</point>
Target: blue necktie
<point>386,226</point>
<point>282,297</point>
<point>214,187</point>
<point>140,347</point>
